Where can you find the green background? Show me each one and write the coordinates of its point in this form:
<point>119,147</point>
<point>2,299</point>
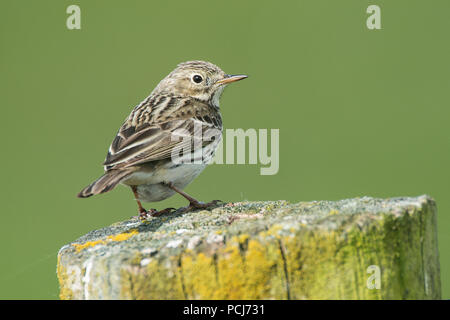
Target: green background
<point>360,112</point>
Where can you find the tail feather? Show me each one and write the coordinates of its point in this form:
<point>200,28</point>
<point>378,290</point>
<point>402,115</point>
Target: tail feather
<point>105,183</point>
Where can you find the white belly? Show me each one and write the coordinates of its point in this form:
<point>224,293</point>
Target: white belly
<point>151,187</point>
<point>150,182</point>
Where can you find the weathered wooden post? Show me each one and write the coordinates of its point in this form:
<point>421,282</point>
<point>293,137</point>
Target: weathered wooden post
<point>360,248</point>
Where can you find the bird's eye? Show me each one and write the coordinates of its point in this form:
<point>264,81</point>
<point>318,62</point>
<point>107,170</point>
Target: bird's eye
<point>197,78</point>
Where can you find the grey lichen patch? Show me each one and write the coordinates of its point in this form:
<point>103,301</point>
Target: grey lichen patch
<point>261,250</point>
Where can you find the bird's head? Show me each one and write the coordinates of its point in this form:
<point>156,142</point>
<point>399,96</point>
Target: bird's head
<point>198,79</point>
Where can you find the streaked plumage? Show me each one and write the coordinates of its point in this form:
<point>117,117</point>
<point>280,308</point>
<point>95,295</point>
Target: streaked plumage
<point>141,154</point>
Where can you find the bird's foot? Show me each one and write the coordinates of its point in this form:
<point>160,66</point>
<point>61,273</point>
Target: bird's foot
<point>144,214</point>
<point>195,205</point>
<point>157,213</point>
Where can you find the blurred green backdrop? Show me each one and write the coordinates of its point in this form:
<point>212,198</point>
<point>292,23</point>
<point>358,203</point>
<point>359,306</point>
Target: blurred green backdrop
<point>360,112</point>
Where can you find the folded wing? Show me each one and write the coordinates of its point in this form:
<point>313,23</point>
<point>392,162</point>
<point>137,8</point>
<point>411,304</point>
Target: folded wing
<point>156,132</point>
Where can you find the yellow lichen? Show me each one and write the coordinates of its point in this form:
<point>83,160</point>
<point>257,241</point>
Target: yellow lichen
<point>274,230</point>
<point>123,236</point>
<point>87,244</point>
<point>243,238</point>
<point>113,238</point>
<point>136,260</point>
<point>65,293</point>
<point>232,273</point>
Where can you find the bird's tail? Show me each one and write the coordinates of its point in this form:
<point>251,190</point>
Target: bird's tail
<point>105,183</point>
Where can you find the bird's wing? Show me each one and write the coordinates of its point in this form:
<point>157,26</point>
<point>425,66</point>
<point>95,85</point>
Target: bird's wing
<point>160,127</point>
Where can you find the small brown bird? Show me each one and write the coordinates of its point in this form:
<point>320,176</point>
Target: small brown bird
<point>169,138</point>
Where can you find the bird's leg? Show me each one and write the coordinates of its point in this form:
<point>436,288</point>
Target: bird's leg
<point>193,203</point>
<point>142,212</point>
<point>152,212</point>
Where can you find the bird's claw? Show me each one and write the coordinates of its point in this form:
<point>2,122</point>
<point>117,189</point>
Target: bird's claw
<point>153,213</point>
<point>161,212</point>
<point>192,206</point>
<point>201,205</point>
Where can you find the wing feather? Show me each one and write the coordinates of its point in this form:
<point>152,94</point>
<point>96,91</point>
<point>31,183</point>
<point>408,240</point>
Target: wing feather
<point>150,134</point>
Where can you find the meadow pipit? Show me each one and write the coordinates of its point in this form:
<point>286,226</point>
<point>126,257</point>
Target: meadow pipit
<point>142,153</point>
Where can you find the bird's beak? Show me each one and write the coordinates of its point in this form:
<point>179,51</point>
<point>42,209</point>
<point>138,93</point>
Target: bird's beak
<point>231,78</point>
